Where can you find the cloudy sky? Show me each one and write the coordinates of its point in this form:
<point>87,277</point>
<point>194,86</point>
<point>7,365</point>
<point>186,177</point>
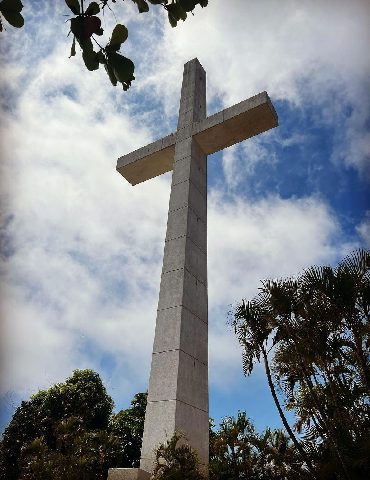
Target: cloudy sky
<point>81,249</point>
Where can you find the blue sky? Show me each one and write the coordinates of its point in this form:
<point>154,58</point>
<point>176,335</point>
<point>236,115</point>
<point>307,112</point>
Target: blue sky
<point>81,249</point>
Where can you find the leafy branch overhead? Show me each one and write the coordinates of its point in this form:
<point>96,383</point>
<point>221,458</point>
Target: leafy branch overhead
<point>11,11</point>
<point>86,25</point>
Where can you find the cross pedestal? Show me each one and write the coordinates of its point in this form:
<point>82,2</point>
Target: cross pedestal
<point>178,385</point>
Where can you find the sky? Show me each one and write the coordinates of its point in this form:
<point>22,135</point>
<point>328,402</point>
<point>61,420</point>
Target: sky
<point>81,249</point>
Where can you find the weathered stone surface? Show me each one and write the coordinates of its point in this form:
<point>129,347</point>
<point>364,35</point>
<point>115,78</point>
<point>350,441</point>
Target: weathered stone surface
<point>184,133</point>
<point>179,329</point>
<point>223,129</point>
<point>186,169</point>
<point>193,95</point>
<point>183,252</point>
<point>185,222</point>
<point>194,421</point>
<point>176,375</point>
<point>183,148</point>
<point>178,386</point>
<point>208,123</point>
<point>148,162</point>
<point>234,124</point>
<point>160,423</point>
<point>181,288</point>
<point>187,194</point>
<point>179,371</point>
<point>163,376</point>
<point>191,387</point>
<point>195,297</point>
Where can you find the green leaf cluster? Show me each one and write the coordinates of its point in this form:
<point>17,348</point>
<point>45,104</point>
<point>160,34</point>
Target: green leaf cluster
<point>11,11</point>
<point>74,5</point>
<point>128,426</point>
<point>312,334</point>
<point>178,9</point>
<point>176,460</point>
<point>86,24</point>
<point>78,454</point>
<point>69,431</point>
<point>238,451</point>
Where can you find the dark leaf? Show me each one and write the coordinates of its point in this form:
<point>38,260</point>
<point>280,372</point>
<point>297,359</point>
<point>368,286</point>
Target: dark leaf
<point>123,68</point>
<point>14,6</point>
<point>74,5</point>
<point>92,9</point>
<point>172,19</point>
<point>188,5</point>
<point>175,13</point>
<point>111,74</point>
<point>14,18</point>
<point>91,25</point>
<point>101,57</point>
<point>142,6</point>
<point>89,56</point>
<point>203,3</point>
<point>119,36</point>
<point>84,27</point>
<point>181,12</point>
<point>76,27</point>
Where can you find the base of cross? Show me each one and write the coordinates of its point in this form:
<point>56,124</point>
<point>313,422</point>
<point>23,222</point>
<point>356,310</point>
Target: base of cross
<point>128,474</point>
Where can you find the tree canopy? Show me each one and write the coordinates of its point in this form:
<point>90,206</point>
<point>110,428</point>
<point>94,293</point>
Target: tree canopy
<point>86,29</point>
<point>312,334</point>
<point>176,460</point>
<point>69,431</point>
<point>238,451</point>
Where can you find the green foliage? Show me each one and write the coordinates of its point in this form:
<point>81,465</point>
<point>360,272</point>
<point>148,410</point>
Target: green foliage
<point>69,432</point>
<point>119,36</point>
<point>11,11</point>
<point>92,9</point>
<point>237,451</point>
<point>77,454</point>
<point>86,24</point>
<point>74,5</point>
<point>313,334</point>
<point>121,67</point>
<point>176,460</point>
<point>128,426</point>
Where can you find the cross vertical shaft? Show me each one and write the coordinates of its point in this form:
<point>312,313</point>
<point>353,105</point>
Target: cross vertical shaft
<point>178,386</point>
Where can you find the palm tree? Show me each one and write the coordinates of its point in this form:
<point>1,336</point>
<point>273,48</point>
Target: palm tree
<point>252,327</point>
<point>316,329</point>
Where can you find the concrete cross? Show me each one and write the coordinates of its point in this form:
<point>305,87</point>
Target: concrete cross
<point>178,385</point>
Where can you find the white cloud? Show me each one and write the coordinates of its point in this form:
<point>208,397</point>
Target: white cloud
<point>85,248</point>
<point>302,52</point>
<point>271,237</point>
<point>239,161</point>
<point>251,242</point>
<point>364,230</point>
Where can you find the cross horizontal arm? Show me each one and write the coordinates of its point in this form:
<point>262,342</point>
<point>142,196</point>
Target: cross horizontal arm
<point>221,130</point>
<point>235,124</point>
<point>148,162</point>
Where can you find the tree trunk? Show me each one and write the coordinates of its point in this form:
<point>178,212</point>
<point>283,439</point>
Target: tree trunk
<point>282,416</point>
